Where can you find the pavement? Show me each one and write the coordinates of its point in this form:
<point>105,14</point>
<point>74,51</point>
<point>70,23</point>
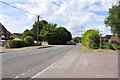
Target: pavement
<point>2,49</point>
<point>24,63</point>
<point>77,64</point>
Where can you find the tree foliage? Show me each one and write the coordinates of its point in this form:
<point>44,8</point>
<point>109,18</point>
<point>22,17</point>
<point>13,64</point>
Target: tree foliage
<point>77,39</point>
<point>28,33</point>
<point>62,35</point>
<point>113,20</point>
<point>55,35</point>
<point>48,32</point>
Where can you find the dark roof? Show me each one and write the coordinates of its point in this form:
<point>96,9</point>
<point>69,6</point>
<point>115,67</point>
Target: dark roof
<point>5,31</point>
<point>18,34</point>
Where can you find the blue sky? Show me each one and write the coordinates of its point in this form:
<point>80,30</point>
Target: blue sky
<point>75,15</point>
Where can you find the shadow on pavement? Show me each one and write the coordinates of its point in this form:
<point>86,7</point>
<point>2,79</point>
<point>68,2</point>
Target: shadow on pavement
<point>45,47</point>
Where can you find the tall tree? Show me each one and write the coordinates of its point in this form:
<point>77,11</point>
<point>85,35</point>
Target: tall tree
<point>113,20</point>
<point>38,26</point>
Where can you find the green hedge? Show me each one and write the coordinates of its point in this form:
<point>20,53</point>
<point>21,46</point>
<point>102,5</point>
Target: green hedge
<point>91,39</point>
<point>15,44</point>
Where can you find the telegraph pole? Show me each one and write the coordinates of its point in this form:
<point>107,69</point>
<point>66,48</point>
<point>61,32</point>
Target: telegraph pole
<point>100,40</point>
<point>38,29</point>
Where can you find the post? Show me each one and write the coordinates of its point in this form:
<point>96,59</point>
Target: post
<point>37,30</point>
<point>100,40</point>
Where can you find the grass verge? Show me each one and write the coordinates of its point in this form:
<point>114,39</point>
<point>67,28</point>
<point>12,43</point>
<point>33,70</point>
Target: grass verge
<point>85,50</point>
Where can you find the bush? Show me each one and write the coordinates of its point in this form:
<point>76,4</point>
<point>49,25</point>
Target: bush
<point>104,46</point>
<point>91,39</point>
<point>29,40</point>
<point>94,41</point>
<point>15,44</point>
<point>113,46</point>
<point>6,46</point>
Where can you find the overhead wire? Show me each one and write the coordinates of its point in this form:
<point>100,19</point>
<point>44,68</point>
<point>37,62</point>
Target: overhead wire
<point>18,8</point>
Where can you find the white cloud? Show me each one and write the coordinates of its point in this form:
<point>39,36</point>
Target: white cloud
<point>103,5</point>
<point>76,12</point>
<point>13,25</point>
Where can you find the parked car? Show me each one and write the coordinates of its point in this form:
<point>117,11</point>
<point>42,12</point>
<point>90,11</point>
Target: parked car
<point>71,43</point>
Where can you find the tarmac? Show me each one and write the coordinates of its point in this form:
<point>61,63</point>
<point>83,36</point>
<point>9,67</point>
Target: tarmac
<point>77,64</point>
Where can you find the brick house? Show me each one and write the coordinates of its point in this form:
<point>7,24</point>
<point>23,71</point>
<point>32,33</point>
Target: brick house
<point>114,38</point>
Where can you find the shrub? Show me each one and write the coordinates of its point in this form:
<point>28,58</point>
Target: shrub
<point>29,40</point>
<point>15,44</point>
<point>104,46</point>
<point>113,46</point>
<point>91,39</point>
<point>6,46</point>
<point>94,41</point>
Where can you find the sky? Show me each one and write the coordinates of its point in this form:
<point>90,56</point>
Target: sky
<point>77,16</point>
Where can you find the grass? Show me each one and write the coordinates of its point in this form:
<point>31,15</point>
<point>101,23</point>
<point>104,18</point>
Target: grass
<point>85,49</point>
<point>25,47</point>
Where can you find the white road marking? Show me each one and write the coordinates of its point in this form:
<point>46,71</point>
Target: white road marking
<point>17,77</point>
<point>43,70</point>
<point>23,73</point>
<point>51,65</point>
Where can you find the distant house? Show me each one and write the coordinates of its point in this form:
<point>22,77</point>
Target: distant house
<point>17,35</point>
<point>114,38</point>
<point>4,33</point>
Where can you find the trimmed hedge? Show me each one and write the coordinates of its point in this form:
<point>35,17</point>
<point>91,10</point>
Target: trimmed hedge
<point>15,44</point>
<point>91,39</point>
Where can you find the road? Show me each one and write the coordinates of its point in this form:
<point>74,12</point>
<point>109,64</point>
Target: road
<point>28,62</point>
<point>78,64</point>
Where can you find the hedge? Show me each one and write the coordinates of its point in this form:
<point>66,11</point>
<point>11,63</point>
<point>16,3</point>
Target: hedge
<point>15,43</point>
<point>91,39</point>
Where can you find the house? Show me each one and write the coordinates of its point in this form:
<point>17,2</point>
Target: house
<point>114,38</point>
<point>4,35</point>
<point>17,35</point>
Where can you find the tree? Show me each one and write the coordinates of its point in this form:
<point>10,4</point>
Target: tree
<point>55,35</point>
<point>38,26</point>
<point>113,20</point>
<point>62,35</point>
<point>47,33</point>
<point>28,33</point>
<point>77,39</point>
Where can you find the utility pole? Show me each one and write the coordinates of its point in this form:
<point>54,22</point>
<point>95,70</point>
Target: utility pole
<point>100,40</point>
<point>37,29</point>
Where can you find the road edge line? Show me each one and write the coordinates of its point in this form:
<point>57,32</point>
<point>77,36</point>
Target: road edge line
<point>52,64</point>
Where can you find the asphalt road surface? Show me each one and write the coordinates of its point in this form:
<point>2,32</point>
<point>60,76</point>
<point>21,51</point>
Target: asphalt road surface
<point>27,63</point>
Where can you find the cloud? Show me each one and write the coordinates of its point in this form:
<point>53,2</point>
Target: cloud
<point>14,25</point>
<point>77,13</point>
<point>103,5</point>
